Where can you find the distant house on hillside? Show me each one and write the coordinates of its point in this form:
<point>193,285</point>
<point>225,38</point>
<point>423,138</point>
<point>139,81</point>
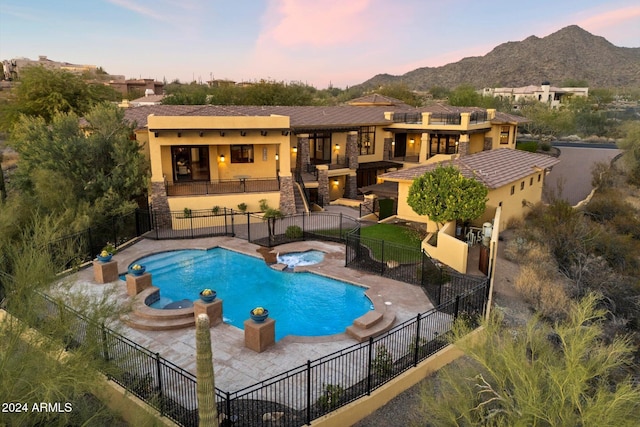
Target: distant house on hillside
<point>553,96</point>
<point>127,86</point>
<point>13,67</point>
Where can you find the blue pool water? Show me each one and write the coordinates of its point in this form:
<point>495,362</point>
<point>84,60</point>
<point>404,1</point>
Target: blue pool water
<point>303,304</point>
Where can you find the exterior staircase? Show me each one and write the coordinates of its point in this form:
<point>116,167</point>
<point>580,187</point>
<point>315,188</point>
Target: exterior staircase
<point>297,195</point>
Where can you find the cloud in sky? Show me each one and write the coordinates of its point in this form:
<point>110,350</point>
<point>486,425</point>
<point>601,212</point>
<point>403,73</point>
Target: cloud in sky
<point>344,42</point>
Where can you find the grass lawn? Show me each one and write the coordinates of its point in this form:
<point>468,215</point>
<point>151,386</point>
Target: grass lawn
<point>531,146</point>
<point>392,235</point>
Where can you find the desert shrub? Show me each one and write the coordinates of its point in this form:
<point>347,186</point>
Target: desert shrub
<point>620,251</point>
<point>187,212</point>
<point>264,206</point>
<point>242,207</point>
<point>606,205</point>
<point>383,362</point>
<point>545,146</point>
<point>331,396</point>
<point>293,232</point>
<point>539,284</point>
<point>516,248</point>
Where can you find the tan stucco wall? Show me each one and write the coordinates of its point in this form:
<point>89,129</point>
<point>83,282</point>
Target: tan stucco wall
<point>512,205</point>
<point>229,201</point>
<point>450,250</point>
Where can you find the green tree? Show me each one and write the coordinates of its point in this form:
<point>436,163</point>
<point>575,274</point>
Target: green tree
<point>69,163</point>
<point>444,194</point>
<point>566,374</point>
<point>43,93</point>
<point>402,92</point>
<point>465,96</point>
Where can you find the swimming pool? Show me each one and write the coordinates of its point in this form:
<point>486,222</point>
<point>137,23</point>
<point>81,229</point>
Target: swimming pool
<point>303,304</point>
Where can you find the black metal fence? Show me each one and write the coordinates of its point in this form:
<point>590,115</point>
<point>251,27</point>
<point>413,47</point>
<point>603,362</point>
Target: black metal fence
<point>302,394</point>
<point>318,387</point>
<point>409,265</point>
<point>84,245</point>
<point>222,186</point>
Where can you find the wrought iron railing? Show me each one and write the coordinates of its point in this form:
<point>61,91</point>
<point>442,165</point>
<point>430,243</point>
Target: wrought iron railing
<point>222,186</point>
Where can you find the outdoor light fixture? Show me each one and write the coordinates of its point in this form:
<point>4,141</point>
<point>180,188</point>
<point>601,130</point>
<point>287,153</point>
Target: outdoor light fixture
<point>243,133</point>
<point>393,143</point>
<point>277,157</point>
<point>221,133</point>
<point>285,133</point>
<point>221,158</point>
<point>179,134</point>
<point>295,149</point>
<point>336,182</point>
<point>337,146</point>
<point>156,134</point>
<point>411,141</point>
<point>201,134</point>
<point>263,132</point>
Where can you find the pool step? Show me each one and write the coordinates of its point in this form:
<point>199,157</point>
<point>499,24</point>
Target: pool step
<point>371,324</point>
<point>150,319</point>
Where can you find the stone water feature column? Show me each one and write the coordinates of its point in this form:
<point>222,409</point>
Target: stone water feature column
<point>137,284</point>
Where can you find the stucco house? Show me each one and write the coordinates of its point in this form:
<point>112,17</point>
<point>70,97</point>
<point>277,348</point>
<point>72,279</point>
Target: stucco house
<point>545,93</point>
<point>295,157</point>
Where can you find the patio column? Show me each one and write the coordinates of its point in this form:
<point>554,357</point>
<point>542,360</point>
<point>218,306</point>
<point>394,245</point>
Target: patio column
<point>323,184</point>
<point>160,203</point>
<point>386,154</point>
<point>424,148</point>
<point>351,186</point>
<point>352,149</point>
<point>463,145</point>
<point>287,198</point>
<point>302,157</point>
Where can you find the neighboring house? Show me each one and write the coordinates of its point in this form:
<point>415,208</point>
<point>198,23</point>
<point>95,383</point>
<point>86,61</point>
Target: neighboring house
<point>14,67</point>
<point>551,95</point>
<point>149,98</point>
<point>127,86</point>
<point>205,156</point>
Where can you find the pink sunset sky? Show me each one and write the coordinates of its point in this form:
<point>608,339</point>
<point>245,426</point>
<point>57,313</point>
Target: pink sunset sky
<point>319,42</point>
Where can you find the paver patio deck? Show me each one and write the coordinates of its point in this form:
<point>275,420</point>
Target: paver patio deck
<point>236,366</point>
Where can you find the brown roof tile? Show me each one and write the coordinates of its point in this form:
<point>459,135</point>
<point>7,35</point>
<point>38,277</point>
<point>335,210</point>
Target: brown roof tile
<point>494,168</point>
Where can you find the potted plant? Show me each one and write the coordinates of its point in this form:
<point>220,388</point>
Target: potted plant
<point>137,269</point>
<point>208,295</point>
<point>104,256</point>
<point>259,314</point>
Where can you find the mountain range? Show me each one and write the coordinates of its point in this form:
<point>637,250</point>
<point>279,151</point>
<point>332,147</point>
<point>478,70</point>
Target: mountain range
<point>570,53</point>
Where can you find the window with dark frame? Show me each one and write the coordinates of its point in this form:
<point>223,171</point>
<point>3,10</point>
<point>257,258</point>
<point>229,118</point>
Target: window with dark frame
<point>504,134</point>
<point>443,144</point>
<point>367,140</point>
<point>522,185</point>
<point>320,147</point>
<point>242,153</point>
<point>531,181</point>
<point>513,189</point>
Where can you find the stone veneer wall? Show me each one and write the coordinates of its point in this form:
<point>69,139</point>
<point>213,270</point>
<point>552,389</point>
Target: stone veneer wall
<point>160,203</point>
<point>302,158</point>
<point>463,148</point>
<point>323,184</point>
<point>488,143</point>
<point>287,199</point>
<point>352,150</point>
<point>351,186</point>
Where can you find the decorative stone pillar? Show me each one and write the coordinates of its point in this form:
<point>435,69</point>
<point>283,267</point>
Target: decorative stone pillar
<point>303,157</point>
<point>352,150</point>
<point>423,155</point>
<point>105,272</point>
<point>351,186</point>
<point>287,197</point>
<point>488,143</point>
<point>137,284</point>
<point>369,203</point>
<point>259,336</point>
<point>323,184</point>
<point>212,309</point>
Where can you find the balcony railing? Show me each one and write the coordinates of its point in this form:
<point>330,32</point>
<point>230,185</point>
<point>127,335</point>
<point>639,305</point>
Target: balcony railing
<point>415,118</point>
<point>223,186</point>
<point>446,119</point>
<point>478,117</point>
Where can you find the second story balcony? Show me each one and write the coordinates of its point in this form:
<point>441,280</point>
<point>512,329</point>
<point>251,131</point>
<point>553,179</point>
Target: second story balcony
<point>223,186</point>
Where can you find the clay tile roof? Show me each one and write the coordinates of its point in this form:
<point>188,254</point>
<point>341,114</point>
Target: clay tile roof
<point>494,168</point>
<point>377,99</point>
<point>509,118</point>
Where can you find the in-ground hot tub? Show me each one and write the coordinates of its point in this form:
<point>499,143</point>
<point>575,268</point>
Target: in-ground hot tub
<point>296,259</point>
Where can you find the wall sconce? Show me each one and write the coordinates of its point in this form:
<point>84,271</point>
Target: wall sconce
<point>285,133</point>
<point>337,147</point>
<point>336,181</point>
<point>179,134</point>
<point>263,132</point>
<point>411,141</point>
<point>393,143</point>
<point>277,157</point>
<point>294,149</point>
<point>221,158</point>
<point>221,133</point>
<point>201,134</point>
<point>156,134</point>
<point>243,133</point>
